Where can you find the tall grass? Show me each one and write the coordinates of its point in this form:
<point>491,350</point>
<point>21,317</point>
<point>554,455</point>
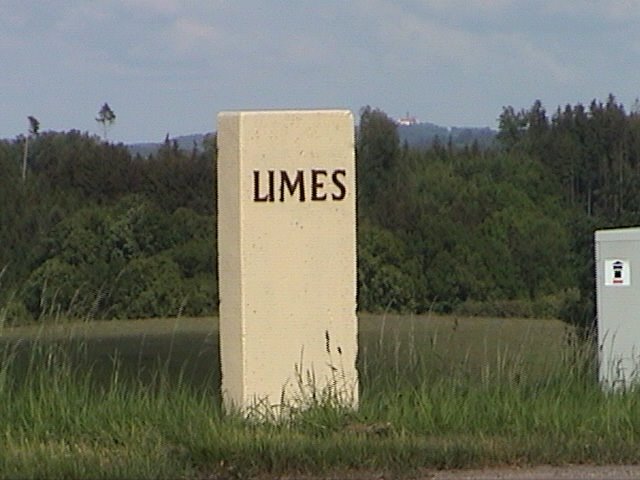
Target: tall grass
<point>57,421</point>
<point>424,403</point>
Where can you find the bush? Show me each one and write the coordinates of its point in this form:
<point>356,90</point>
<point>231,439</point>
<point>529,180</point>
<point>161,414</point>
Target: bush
<point>14,313</point>
<point>548,306</point>
<point>56,288</point>
<point>201,295</point>
<point>384,280</point>
<point>194,257</point>
<point>148,287</point>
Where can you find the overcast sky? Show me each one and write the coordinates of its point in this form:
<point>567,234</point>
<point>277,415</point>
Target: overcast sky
<point>168,66</point>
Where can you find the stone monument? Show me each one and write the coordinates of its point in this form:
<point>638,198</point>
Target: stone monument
<point>287,258</point>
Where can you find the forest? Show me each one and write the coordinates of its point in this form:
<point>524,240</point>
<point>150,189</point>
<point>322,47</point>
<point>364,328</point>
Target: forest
<point>90,231</point>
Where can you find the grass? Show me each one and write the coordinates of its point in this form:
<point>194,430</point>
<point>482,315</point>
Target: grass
<point>140,400</point>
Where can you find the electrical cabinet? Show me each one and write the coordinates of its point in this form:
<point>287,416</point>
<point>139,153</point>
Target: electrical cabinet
<point>617,263</point>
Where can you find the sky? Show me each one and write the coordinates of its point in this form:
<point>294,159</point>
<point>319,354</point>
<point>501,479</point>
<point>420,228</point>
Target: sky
<point>169,66</point>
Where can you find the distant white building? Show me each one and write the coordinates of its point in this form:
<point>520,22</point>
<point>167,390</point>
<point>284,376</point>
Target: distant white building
<point>407,120</point>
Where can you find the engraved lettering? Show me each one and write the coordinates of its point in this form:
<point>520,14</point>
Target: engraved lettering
<point>323,185</point>
<point>298,183</point>
<point>338,182</point>
<point>317,185</point>
<point>256,187</point>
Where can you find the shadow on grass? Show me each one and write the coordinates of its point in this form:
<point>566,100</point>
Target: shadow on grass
<point>189,359</point>
<point>394,351</point>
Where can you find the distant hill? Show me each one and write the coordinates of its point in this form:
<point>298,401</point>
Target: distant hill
<point>419,135</point>
<point>424,134</point>
<point>185,142</point>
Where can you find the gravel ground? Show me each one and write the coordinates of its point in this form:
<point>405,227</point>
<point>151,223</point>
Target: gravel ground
<point>568,472</point>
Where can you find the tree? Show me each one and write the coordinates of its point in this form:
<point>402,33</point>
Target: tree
<point>106,117</point>
<point>512,127</point>
<point>378,152</point>
<point>34,127</point>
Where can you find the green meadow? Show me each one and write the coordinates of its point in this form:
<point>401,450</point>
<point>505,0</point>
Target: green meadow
<point>140,399</point>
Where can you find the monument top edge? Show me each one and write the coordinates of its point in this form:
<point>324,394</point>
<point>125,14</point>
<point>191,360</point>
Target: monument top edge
<point>320,111</point>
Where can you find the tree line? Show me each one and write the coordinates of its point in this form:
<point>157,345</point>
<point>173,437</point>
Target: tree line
<point>91,231</point>
<point>94,232</point>
<point>459,229</point>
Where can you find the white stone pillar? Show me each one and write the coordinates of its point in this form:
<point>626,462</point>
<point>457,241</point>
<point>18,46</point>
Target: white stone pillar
<point>287,258</point>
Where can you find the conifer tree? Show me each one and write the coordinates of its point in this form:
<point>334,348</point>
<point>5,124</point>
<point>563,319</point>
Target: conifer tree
<point>106,117</point>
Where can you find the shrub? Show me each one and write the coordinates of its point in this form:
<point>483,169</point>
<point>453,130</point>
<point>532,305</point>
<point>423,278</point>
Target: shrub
<point>194,257</point>
<point>14,313</point>
<point>548,306</point>
<point>147,287</point>
<point>55,288</point>
<point>201,295</point>
<point>384,281</point>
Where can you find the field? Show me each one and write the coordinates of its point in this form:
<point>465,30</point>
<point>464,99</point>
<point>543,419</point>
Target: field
<point>139,399</point>
<point>188,347</point>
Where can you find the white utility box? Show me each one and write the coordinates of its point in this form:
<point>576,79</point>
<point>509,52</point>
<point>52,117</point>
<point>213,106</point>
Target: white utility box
<point>617,255</point>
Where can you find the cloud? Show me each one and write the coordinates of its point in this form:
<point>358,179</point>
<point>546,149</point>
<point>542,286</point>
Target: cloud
<point>613,11</point>
<point>188,34</point>
<point>82,18</point>
<point>461,54</point>
<point>458,6</point>
<point>536,60</point>
<point>412,35</point>
<point>621,10</point>
<point>166,7</point>
<point>416,42</point>
<point>12,16</point>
